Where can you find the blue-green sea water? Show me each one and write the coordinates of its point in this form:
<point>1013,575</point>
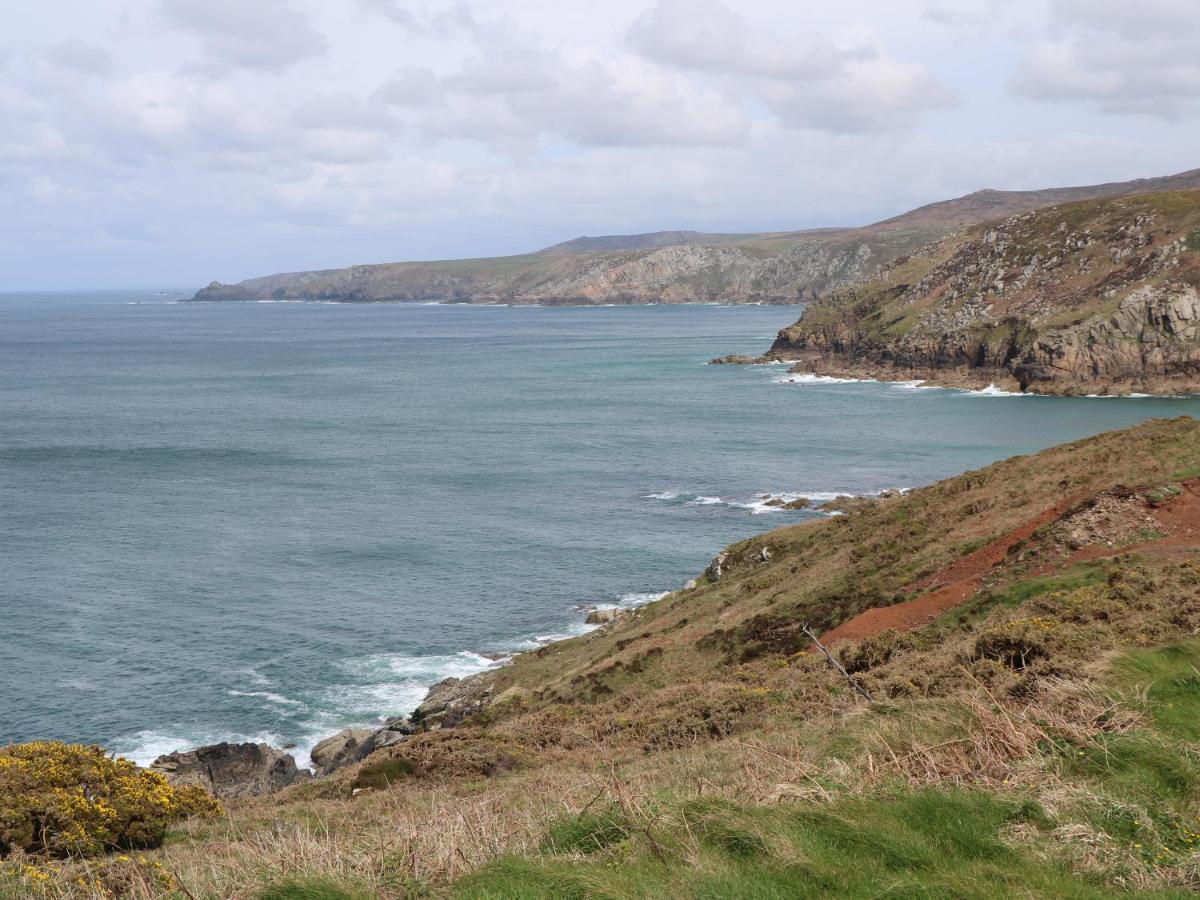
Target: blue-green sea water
<point>273,520</point>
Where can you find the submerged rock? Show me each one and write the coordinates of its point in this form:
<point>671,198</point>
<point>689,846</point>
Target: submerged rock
<point>232,770</point>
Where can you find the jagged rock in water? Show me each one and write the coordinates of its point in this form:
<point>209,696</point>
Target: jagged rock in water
<point>232,770</point>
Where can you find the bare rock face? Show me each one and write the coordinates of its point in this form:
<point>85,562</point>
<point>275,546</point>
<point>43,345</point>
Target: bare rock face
<point>232,770</point>
<point>452,701</point>
<point>340,750</point>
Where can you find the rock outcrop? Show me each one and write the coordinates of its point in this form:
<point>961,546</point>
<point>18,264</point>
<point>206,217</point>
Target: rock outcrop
<point>602,616</point>
<point>232,770</point>
<point>1090,298</point>
<point>453,700</point>
<point>342,749</point>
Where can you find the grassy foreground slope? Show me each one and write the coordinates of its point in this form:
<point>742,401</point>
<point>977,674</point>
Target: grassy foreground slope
<point>1029,634</point>
<point>1092,297</point>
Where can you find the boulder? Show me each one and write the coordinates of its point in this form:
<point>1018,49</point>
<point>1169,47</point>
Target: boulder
<point>735,359</point>
<point>232,770</point>
<point>340,750</point>
<point>602,616</point>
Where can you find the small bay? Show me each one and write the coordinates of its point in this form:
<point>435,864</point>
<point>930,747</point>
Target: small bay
<point>273,520</point>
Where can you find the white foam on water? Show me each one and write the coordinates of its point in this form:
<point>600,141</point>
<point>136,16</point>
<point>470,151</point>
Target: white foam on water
<point>759,505</point>
<point>705,501</point>
<point>661,495</point>
<point>377,686</point>
<point>270,697</point>
<point>992,391</point>
<point>810,378</point>
<point>146,746</point>
<point>916,384</point>
<point>632,601</point>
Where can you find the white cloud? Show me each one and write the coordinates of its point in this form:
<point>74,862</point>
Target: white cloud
<point>413,86</point>
<point>391,9</point>
<point>1119,57</point>
<point>175,141</point>
<point>809,81</point>
<point>253,34</point>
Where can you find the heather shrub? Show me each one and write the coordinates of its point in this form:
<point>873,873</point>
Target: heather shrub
<point>74,800</point>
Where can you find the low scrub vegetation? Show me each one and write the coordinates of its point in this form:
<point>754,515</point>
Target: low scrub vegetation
<point>71,800</point>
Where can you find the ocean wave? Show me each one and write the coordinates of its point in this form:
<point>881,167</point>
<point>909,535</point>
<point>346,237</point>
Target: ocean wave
<point>389,684</point>
<point>146,746</point>
<point>761,504</point>
<point>661,495</point>
<point>270,697</point>
<point>992,391</point>
<point>810,378</point>
<point>373,688</point>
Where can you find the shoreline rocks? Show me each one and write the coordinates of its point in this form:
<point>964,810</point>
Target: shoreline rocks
<point>232,771</point>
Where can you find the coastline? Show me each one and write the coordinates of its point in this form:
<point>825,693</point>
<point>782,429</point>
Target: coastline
<point>155,744</point>
<point>993,382</point>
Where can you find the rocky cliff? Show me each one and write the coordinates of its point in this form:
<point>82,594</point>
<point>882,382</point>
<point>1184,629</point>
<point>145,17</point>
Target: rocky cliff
<point>671,267</point>
<point>1086,298</point>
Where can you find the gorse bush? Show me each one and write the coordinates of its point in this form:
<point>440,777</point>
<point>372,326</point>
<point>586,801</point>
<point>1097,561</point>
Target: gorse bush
<point>73,800</point>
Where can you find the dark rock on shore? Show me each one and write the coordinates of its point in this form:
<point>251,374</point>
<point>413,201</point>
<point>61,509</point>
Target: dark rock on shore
<point>232,770</point>
<point>780,503</point>
<point>453,700</point>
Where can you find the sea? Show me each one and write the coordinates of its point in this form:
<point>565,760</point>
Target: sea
<point>271,521</point>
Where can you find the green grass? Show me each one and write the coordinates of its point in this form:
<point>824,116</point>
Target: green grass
<point>1015,594</point>
<point>309,889</point>
<point>1143,792</point>
<point>1161,495</point>
<point>929,843</point>
<point>384,773</point>
<point>1170,677</point>
<point>586,832</point>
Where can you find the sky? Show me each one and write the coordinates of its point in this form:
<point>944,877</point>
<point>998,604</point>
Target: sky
<point>168,143</point>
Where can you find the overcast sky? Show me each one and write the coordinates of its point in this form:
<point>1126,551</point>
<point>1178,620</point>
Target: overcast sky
<point>172,142</point>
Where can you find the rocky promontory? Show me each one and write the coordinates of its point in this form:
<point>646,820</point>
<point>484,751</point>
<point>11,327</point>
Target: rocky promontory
<point>1099,297</point>
<point>672,266</point>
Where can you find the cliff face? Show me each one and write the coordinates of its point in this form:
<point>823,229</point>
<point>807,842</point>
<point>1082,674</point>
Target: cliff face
<point>674,266</point>
<point>1092,297</point>
<point>784,268</point>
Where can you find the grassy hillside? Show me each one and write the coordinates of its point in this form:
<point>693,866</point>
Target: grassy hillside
<point>1029,635</point>
<point>1091,297</point>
